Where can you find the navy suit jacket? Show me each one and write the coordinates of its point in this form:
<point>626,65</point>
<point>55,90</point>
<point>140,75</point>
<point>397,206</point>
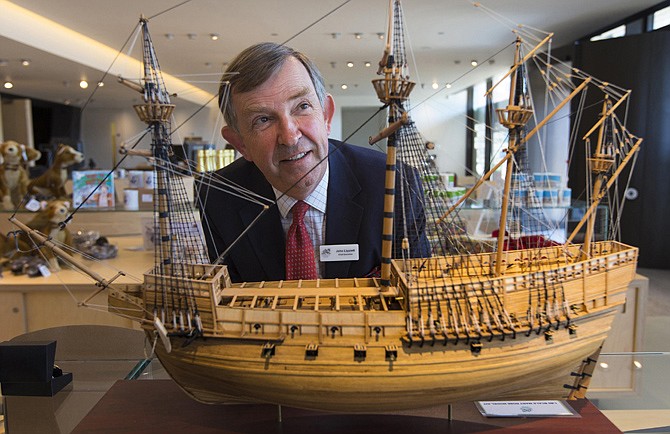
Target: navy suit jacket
<point>353,216</point>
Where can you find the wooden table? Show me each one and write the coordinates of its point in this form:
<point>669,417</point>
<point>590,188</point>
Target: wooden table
<point>160,406</point>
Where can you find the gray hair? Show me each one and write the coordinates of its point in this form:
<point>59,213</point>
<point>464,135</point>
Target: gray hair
<point>253,67</point>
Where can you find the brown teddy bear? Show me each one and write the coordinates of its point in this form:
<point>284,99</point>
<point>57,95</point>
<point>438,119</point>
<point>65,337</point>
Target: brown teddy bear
<point>14,172</point>
<point>47,221</point>
<point>51,184</point>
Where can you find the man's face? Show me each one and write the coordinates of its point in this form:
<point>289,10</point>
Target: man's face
<point>283,129</point>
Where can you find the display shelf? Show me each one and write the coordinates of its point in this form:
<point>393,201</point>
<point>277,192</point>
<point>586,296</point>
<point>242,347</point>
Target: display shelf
<point>33,303</point>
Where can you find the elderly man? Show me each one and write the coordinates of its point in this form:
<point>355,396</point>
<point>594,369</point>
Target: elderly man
<point>278,118</point>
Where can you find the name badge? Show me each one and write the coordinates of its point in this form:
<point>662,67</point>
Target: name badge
<point>338,252</point>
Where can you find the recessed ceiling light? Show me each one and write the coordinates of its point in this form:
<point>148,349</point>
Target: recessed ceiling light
<point>8,84</point>
<point>435,85</point>
<point>368,64</point>
<point>25,62</point>
<point>83,84</point>
<point>101,84</point>
<point>169,36</point>
<point>333,64</point>
<point>4,62</point>
<point>214,36</point>
<point>358,35</point>
<point>192,36</point>
<point>344,87</point>
<point>380,35</point>
<point>474,62</point>
<point>335,35</point>
<point>350,64</point>
<point>448,86</point>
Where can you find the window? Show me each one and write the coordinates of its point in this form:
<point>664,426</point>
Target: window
<point>616,32</point>
<point>489,138</point>
<point>660,18</point>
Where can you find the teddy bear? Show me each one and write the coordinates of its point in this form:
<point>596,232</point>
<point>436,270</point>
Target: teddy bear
<point>51,184</point>
<point>14,173</point>
<point>47,221</point>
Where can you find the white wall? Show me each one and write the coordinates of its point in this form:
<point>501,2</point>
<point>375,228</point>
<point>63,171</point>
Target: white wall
<point>99,125</point>
<point>439,119</point>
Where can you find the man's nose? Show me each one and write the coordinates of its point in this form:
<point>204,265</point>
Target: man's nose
<point>289,131</point>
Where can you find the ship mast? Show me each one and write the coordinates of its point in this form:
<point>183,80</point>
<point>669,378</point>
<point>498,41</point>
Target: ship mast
<point>392,90</point>
<point>600,164</point>
<point>514,117</point>
<point>177,245</point>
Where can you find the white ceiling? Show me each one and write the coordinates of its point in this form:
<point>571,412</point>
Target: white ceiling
<point>440,33</point>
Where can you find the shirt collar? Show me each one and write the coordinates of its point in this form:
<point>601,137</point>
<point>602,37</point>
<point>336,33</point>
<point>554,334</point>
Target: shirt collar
<point>317,199</point>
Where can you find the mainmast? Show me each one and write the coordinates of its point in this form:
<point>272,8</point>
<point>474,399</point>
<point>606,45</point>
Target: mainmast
<point>392,90</point>
<point>514,117</point>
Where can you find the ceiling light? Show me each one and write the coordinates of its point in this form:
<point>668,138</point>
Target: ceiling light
<point>25,62</point>
<point>83,84</point>
<point>169,36</point>
<point>350,64</point>
<point>448,86</point>
<point>333,64</point>
<point>4,62</point>
<point>604,365</point>
<point>637,364</point>
<point>66,102</point>
<point>435,85</point>
<point>368,64</point>
<point>192,36</point>
<point>358,35</point>
<point>474,63</point>
<point>101,84</point>
<point>457,62</point>
<point>8,84</point>
<point>214,36</point>
<point>344,87</point>
<point>335,35</point>
<point>380,35</point>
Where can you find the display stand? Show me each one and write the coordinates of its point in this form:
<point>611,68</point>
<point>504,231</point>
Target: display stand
<point>160,406</point>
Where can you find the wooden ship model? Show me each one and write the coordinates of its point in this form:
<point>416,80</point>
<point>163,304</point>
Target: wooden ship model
<point>521,320</point>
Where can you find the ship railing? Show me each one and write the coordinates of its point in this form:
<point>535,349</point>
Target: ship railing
<point>197,290</point>
<point>596,283</point>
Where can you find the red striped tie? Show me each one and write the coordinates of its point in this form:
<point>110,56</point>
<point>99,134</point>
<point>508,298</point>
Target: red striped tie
<point>300,262</point>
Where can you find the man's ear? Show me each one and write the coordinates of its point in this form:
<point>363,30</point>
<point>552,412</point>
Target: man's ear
<point>234,138</point>
<point>328,111</point>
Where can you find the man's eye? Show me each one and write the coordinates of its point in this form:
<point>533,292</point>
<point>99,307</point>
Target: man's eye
<point>261,120</point>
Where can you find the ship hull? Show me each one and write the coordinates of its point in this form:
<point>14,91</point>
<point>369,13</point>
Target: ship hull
<point>225,371</point>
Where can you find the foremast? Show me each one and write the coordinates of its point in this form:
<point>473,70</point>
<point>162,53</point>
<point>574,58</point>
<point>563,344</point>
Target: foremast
<point>392,90</point>
<point>178,244</point>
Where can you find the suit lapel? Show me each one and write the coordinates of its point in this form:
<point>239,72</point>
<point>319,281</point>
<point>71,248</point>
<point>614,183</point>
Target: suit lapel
<point>342,190</point>
<point>266,239</point>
